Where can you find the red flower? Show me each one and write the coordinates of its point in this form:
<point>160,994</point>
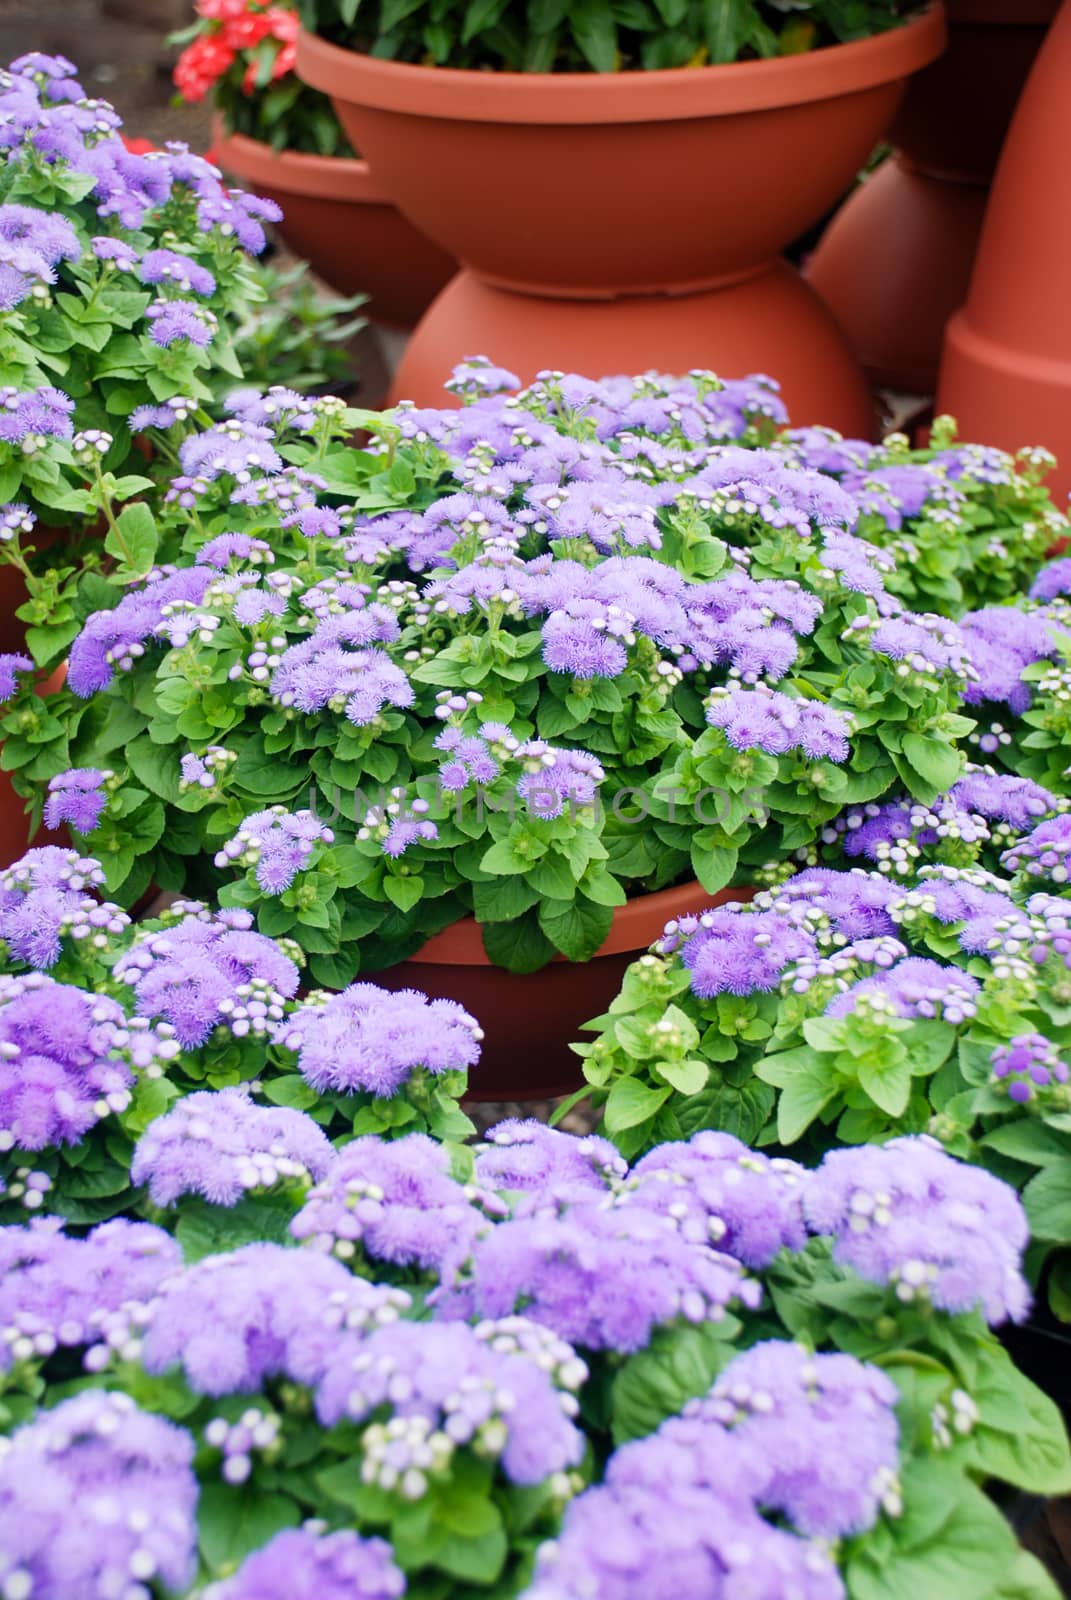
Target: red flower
<point>201,65</point>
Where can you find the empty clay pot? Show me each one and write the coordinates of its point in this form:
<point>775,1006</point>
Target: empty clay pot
<point>627,192</point>
<point>337,217</point>
<point>1006,368</point>
<point>529,1020</point>
<point>895,262</point>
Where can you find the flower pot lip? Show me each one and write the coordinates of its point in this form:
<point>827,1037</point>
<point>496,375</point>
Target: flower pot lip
<point>636,925</point>
<point>296,171</point>
<point>668,95</point>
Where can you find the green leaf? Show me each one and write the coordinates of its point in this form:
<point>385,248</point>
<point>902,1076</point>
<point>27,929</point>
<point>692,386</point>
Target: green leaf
<point>156,766</point>
<point>403,892</point>
<point>579,930</point>
<point>232,1523</point>
<point>678,1365</point>
<point>519,946</point>
<point>803,1098</point>
<point>726,25</point>
<point>205,1230</point>
<point>887,1083</point>
<point>687,1077</point>
<point>630,1103</point>
<point>595,31</point>
<point>936,763</point>
<point>1047,1199</point>
<point>133,540</point>
<point>291,1090</point>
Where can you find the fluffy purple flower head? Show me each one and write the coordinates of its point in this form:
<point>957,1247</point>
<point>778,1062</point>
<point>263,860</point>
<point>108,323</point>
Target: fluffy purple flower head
<point>1002,797</point>
<point>10,666</point>
<point>1001,642</point>
<point>300,1564</point>
<point>43,901</point>
<point>370,1040</point>
<point>210,971</point>
<point>933,1228</point>
<point>29,419</point>
<point>468,760</point>
<point>452,1388</point>
<point>231,1322</point>
<point>126,1474</point>
<point>765,719</point>
<point>582,639</point>
<point>856,903</point>
<point>221,1145</point>
<point>735,950</point>
<point>76,796</point>
<point>395,1201</point>
<point>541,1167</point>
<point>557,780</point>
<point>47,234</point>
<point>15,519</point>
<point>56,1290</point>
<point>913,988</point>
<point>168,266</point>
<point>326,671</point>
<point>719,1192</point>
<point>476,377</point>
<point>277,844</point>
<point>1045,852</point>
<point>1027,1066</point>
<point>105,248</point>
<point>117,638</point>
<point>180,319</point>
<point>227,547</point>
<point>603,1279</point>
<point>1053,580</point>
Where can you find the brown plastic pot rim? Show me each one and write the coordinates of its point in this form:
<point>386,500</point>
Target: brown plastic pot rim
<point>670,95</point>
<point>635,926</point>
<point>296,172</point>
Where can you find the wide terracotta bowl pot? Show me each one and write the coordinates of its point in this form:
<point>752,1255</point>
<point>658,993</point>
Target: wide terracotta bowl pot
<point>338,218</point>
<point>594,185</point>
<point>530,1020</point>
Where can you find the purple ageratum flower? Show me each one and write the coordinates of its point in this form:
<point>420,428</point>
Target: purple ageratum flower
<point>76,796</point>
<point>277,406</point>
<point>117,638</point>
<point>210,971</point>
<point>451,1388</point>
<point>679,1514</point>
<point>130,1476</point>
<point>1027,1066</point>
<point>765,719</point>
<point>394,1201</point>
<point>43,901</point>
<point>469,760</point>
<point>142,418</point>
<point>933,1228</point>
<point>10,667</point>
<point>67,1058</point>
<point>587,639</point>
<point>326,671</point>
<point>476,377</point>
<point>58,1291</point>
<point>602,1279</point>
<point>556,780</point>
<point>277,844</point>
<point>15,519</point>
<point>898,492</point>
<point>299,1564</point>
<point>180,319</point>
<point>234,212</point>
<point>856,903</point>
<point>969,897</point>
<point>168,266</point>
<point>105,248</point>
<point>232,1322</point>
<point>239,547</point>
<point>923,643</point>
<point>738,951</point>
<point>221,1145</point>
<point>1044,852</point>
<point>47,233</point>
<point>1053,580</point>
<point>913,988</point>
<point>1002,641</point>
<point>542,1168</point>
<point>370,1040</point>
<point>719,1192</point>
<point>1001,797</point>
<point>825,450</point>
<point>233,448</point>
<point>30,418</point>
<point>861,566</point>
<point>824,1427</point>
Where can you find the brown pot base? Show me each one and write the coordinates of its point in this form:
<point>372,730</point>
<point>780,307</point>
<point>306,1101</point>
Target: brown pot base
<point>894,264</point>
<point>770,323</point>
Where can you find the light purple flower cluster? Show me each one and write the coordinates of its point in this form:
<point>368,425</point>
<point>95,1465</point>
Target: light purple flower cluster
<point>370,1040</point>
<point>76,796</point>
<point>541,1168</point>
<point>1053,580</point>
<point>1002,797</point>
<point>1002,641</point>
<point>58,1291</point>
<point>719,1192</point>
<point>233,1321</point>
<point>67,1058</point>
<point>394,1201</point>
<point>602,1278</point>
<point>557,780</point>
<point>681,1513</point>
<point>913,988</point>
<point>117,638</point>
<point>337,668</point>
<point>1027,1066</point>
<point>824,1428</point>
<point>11,664</point>
<point>734,950</point>
<point>29,418</point>
<point>210,970</point>
<point>98,1500</point>
<point>765,719</point>
<point>1043,853</point>
<point>44,900</point>
<point>223,1146</point>
<point>447,1388</point>
<point>302,1564</point>
<point>935,1229</point>
<point>277,844</point>
<point>926,648</point>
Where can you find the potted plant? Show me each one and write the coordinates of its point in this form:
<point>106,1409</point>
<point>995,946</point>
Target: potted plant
<point>284,140</point>
<point>387,690</point>
<point>544,124</point>
<point>895,262</point>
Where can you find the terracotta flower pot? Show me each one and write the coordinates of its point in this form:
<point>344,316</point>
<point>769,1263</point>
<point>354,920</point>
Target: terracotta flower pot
<point>530,1020</point>
<point>338,218</point>
<point>895,262</point>
<point>625,193</point>
<point>1006,369</point>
